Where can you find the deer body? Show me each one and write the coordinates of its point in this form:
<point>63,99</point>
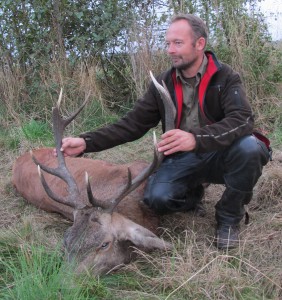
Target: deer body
<point>106,180</point>
<point>104,230</point>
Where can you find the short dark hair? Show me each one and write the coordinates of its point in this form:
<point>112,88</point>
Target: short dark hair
<point>198,26</point>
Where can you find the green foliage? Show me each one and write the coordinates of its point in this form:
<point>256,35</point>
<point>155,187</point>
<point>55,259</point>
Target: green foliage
<point>30,29</point>
<point>37,131</point>
<point>126,280</point>
<point>33,131</point>
<point>34,272</point>
<point>93,288</point>
<point>107,48</point>
<point>93,117</point>
<point>116,82</point>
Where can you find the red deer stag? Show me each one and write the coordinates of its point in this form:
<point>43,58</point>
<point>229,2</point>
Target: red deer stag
<point>104,230</point>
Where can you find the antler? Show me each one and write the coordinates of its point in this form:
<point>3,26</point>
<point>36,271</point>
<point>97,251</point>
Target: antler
<point>59,125</point>
<point>131,184</point>
<point>170,110</point>
<point>170,113</point>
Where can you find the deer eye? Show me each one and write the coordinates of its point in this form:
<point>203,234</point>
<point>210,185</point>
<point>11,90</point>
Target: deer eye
<point>105,245</point>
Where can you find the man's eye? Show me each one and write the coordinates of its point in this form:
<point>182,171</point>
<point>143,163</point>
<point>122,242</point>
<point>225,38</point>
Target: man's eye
<point>178,43</point>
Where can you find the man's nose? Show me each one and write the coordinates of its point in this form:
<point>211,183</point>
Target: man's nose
<point>170,49</point>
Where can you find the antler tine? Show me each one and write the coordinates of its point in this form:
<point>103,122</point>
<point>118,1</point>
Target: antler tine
<point>49,192</point>
<point>45,168</point>
<point>59,125</point>
<point>94,201</point>
<point>170,110</point>
<point>133,184</point>
<point>53,171</point>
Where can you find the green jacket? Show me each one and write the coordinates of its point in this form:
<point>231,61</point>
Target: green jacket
<point>223,106</point>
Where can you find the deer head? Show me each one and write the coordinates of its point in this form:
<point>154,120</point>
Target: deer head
<point>100,238</point>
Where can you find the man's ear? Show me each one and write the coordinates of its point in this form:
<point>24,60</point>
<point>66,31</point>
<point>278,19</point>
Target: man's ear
<point>201,44</point>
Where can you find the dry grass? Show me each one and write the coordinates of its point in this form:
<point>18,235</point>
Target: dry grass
<point>195,269</point>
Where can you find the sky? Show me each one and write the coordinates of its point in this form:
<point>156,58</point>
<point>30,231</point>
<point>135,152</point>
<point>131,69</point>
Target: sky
<point>272,9</point>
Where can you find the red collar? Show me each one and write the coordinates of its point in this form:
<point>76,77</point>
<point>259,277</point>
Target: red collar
<point>210,71</point>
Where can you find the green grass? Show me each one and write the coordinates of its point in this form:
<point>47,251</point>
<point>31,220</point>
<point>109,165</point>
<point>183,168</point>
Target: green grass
<point>34,130</point>
<point>34,272</point>
<point>93,116</point>
<point>37,132</point>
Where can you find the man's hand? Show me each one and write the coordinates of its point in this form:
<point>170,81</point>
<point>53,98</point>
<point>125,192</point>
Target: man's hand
<point>176,140</point>
<point>72,146</point>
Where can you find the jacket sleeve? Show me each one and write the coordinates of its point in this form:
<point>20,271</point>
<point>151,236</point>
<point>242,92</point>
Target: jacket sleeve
<point>236,120</point>
<point>144,116</point>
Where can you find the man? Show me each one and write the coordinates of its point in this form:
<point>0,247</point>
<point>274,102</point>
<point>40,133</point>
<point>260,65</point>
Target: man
<point>212,142</point>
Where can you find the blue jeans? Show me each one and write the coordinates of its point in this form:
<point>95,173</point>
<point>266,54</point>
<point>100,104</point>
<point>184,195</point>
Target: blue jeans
<point>180,175</point>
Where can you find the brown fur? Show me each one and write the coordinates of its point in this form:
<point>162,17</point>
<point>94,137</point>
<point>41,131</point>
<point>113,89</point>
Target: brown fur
<point>93,228</point>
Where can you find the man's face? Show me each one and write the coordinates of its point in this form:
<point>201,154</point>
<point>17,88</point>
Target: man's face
<point>181,45</point>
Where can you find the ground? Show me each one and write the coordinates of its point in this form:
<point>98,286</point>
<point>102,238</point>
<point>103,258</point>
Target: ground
<point>259,255</point>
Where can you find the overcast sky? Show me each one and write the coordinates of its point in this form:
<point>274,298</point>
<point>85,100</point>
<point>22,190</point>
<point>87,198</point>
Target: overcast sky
<point>272,9</point>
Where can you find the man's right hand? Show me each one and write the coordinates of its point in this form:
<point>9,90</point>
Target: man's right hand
<point>72,146</point>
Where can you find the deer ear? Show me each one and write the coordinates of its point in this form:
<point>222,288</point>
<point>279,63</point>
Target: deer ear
<point>141,237</point>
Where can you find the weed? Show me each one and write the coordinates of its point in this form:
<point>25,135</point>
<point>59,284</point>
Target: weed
<point>34,272</point>
<point>37,130</point>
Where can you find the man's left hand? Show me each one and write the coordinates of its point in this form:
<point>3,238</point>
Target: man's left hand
<point>176,140</point>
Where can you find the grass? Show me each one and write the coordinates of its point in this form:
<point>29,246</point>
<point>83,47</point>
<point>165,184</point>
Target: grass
<point>33,267</point>
<point>8,140</point>
<point>35,272</point>
<point>37,131</point>
<point>276,137</point>
<point>30,132</point>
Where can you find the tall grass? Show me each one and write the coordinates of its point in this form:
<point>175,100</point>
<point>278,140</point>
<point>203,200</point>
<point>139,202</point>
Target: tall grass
<point>32,271</point>
<point>192,271</point>
<point>28,99</point>
<point>115,82</point>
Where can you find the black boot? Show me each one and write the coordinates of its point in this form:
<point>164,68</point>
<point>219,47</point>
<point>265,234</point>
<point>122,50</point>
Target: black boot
<point>227,236</point>
<point>229,212</point>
